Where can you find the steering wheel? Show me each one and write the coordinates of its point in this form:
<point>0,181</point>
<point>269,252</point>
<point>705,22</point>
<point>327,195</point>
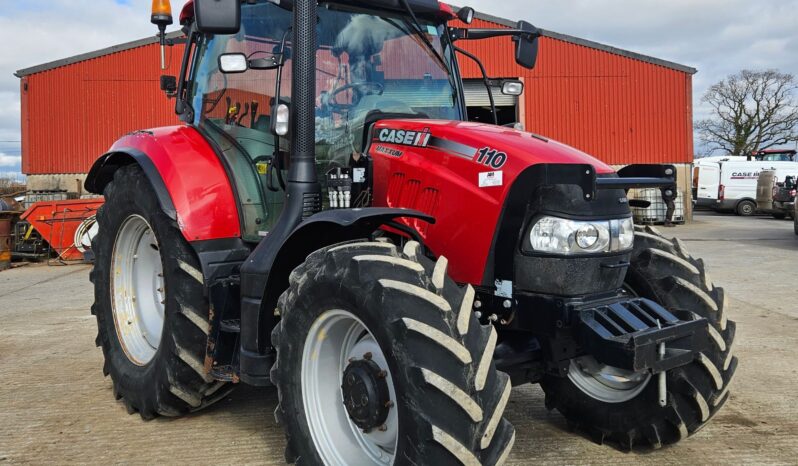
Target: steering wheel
<point>364,88</point>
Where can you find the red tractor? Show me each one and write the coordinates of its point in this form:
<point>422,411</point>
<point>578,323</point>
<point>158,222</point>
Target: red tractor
<point>327,223</point>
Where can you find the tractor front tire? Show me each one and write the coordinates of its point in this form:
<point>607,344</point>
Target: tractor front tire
<point>149,304</point>
<point>396,339</point>
<point>663,271</point>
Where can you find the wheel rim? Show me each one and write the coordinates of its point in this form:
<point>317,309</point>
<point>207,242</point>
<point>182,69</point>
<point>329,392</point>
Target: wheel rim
<point>336,340</point>
<point>606,383</point>
<point>138,290</point>
<point>747,209</point>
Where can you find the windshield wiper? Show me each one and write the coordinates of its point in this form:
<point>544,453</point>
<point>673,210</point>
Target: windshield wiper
<point>420,33</point>
<point>416,26</point>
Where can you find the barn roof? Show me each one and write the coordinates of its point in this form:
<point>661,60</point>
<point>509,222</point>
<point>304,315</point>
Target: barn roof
<point>483,16</point>
<point>95,54</point>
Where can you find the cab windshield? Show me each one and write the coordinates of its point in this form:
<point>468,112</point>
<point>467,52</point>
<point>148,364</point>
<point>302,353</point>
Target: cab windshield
<point>365,63</point>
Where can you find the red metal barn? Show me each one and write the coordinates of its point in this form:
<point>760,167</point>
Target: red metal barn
<point>617,105</point>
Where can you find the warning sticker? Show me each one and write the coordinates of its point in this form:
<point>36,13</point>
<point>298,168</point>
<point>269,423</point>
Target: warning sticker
<point>359,175</point>
<point>490,179</point>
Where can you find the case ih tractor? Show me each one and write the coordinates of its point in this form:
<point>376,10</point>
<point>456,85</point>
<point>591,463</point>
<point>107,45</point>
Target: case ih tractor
<point>327,223</point>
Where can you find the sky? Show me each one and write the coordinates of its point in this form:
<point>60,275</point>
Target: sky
<point>718,37</point>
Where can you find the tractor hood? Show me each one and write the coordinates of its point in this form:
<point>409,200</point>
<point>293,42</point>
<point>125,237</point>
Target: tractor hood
<point>488,146</point>
<point>461,174</point>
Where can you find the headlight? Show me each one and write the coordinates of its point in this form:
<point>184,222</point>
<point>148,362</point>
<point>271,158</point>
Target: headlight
<point>561,236</point>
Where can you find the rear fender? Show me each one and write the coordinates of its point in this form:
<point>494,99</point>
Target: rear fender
<point>188,177</point>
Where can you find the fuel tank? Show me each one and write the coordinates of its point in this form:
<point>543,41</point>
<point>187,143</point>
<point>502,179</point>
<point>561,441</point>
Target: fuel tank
<point>460,173</point>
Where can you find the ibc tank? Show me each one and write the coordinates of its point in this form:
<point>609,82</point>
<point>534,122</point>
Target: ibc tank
<point>764,190</point>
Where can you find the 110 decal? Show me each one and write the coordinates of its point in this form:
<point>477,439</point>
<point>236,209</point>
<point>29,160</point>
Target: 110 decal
<point>491,157</point>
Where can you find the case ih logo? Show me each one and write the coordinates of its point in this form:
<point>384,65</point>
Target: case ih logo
<point>405,137</point>
<point>745,176</point>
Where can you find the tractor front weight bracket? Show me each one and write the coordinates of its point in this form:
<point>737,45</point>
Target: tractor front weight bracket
<point>639,335</point>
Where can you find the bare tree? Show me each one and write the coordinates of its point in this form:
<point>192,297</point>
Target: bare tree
<point>752,110</point>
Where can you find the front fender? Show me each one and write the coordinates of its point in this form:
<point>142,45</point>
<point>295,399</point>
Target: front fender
<point>264,275</point>
<point>186,174</point>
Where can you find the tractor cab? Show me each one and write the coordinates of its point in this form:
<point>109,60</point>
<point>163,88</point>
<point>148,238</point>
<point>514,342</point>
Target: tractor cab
<point>371,64</point>
<point>367,63</point>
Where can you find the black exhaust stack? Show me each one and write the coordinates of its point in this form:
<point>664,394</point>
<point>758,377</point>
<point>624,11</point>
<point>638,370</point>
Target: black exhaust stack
<point>303,199</point>
<point>303,140</point>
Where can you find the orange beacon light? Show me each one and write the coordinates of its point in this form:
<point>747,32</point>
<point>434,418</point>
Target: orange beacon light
<point>162,17</point>
<point>161,13</point>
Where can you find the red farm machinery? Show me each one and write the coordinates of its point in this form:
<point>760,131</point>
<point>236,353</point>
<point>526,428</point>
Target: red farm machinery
<point>325,221</point>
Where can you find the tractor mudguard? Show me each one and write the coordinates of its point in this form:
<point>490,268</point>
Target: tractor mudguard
<point>191,183</point>
<point>264,276</point>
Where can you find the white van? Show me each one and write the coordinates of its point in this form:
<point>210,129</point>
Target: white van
<point>729,183</point>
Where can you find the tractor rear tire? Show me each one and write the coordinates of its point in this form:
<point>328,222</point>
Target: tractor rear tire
<point>663,271</point>
<point>447,399</point>
<point>152,374</point>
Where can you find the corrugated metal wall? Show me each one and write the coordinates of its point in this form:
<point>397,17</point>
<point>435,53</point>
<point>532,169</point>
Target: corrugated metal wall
<point>71,115</point>
<point>616,108</point>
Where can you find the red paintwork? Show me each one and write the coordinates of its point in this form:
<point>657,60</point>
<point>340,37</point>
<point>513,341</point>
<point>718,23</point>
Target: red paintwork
<point>446,186</point>
<point>447,10</point>
<point>187,14</point>
<point>195,178</point>
<point>775,151</point>
<point>57,222</point>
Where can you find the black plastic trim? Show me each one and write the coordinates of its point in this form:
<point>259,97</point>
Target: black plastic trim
<point>513,217</point>
<point>221,258</point>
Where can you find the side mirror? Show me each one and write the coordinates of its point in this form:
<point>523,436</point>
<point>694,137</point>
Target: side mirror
<point>169,85</point>
<point>526,48</point>
<point>218,16</point>
<point>230,63</point>
<point>515,88</point>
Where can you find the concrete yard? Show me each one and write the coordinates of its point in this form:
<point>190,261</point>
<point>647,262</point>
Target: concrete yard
<point>56,406</point>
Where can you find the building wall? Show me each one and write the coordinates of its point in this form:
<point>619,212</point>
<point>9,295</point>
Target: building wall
<point>71,115</point>
<point>613,107</point>
<point>616,108</point>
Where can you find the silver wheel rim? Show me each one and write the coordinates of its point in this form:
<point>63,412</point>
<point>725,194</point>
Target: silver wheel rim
<point>137,290</point>
<point>336,337</point>
<point>606,383</point>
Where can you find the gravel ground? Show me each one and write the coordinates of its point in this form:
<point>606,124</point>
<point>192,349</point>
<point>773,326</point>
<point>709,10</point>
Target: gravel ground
<point>56,407</point>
